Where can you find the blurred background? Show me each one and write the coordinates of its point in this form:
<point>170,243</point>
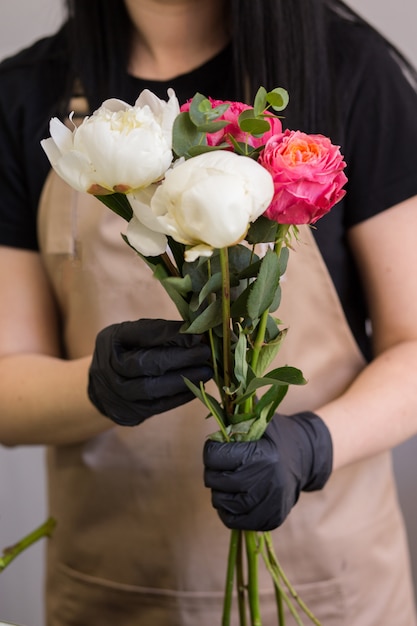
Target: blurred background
<point>22,475</point>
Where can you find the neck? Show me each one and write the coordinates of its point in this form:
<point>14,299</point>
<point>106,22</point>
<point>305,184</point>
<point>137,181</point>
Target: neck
<point>173,37</point>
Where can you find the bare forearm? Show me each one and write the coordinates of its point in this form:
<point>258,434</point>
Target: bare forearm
<point>379,410</point>
<point>43,400</point>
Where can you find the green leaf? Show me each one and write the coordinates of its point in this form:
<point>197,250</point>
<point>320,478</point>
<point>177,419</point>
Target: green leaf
<point>277,300</point>
<point>177,250</point>
<point>118,203</point>
<point>185,135</point>
<point>278,98</point>
<point>240,430</point>
<point>283,260</point>
<point>263,230</point>
<point>260,104</point>
<point>267,354</point>
<point>258,427</point>
<point>213,285</point>
<point>182,284</point>
<point>212,127</point>
<point>201,149</point>
<point>214,407</point>
<point>280,376</point>
<point>209,318</point>
<point>199,106</point>
<point>240,362</point>
<point>271,400</point>
<point>239,308</point>
<point>250,123</point>
<point>264,287</point>
<point>287,374</point>
<point>176,297</point>
<point>202,111</point>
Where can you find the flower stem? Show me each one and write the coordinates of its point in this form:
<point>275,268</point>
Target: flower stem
<point>260,335</point>
<point>253,585</point>
<point>227,353</point>
<point>169,265</point>
<point>241,587</point>
<point>277,567</point>
<point>230,575</point>
<point>9,554</point>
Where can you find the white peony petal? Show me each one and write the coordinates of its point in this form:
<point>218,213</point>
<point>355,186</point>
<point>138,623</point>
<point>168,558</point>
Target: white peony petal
<point>61,134</point>
<point>192,254</point>
<point>145,240</point>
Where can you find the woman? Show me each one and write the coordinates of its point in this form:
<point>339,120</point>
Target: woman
<point>137,541</point>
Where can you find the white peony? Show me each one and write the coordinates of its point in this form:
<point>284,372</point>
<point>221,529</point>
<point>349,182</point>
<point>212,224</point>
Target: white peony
<point>206,202</point>
<point>117,149</point>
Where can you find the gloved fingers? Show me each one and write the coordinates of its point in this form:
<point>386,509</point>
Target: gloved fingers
<point>158,360</point>
<point>153,388</point>
<point>131,414</point>
<point>147,333</point>
<point>235,503</point>
<point>227,456</point>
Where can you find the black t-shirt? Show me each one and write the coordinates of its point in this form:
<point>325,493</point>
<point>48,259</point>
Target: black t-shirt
<point>379,135</point>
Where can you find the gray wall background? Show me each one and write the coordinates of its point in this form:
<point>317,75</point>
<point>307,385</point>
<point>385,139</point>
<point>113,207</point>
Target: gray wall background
<point>22,474</point>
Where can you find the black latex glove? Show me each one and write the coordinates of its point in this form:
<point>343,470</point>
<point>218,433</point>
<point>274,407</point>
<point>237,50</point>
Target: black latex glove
<point>255,484</point>
<point>137,369</point>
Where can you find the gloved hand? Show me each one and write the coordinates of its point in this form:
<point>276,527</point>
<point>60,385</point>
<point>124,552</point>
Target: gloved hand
<point>137,369</point>
<point>255,484</point>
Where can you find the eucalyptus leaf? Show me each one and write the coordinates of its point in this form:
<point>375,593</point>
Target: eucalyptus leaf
<point>185,135</point>
<point>201,149</point>
<point>212,127</point>
<point>260,103</point>
<point>278,98</point>
<point>199,107</point>
<point>254,126</point>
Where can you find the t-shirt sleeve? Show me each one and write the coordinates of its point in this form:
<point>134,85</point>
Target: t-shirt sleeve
<point>30,86</point>
<point>17,216</point>
<point>381,137</point>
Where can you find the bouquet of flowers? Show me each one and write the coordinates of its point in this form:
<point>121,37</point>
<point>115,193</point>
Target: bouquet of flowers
<point>213,193</point>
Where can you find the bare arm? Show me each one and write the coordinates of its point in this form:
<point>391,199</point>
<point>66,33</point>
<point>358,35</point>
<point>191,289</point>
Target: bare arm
<point>43,398</point>
<point>379,410</point>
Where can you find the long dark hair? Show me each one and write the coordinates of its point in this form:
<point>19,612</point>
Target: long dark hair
<point>275,42</point>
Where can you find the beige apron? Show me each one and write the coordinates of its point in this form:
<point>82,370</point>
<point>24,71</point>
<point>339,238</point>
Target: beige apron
<point>137,541</point>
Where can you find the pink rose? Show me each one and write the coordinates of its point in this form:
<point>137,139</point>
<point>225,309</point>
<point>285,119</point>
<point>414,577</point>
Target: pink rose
<point>308,176</point>
<point>232,129</point>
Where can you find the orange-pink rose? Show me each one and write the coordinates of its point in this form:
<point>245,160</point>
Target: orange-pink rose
<point>231,115</point>
<point>308,176</point>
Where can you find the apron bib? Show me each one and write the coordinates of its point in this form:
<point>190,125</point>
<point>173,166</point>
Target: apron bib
<point>137,541</point>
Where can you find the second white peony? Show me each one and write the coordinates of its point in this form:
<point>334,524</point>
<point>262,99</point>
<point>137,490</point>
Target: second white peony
<point>205,202</point>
